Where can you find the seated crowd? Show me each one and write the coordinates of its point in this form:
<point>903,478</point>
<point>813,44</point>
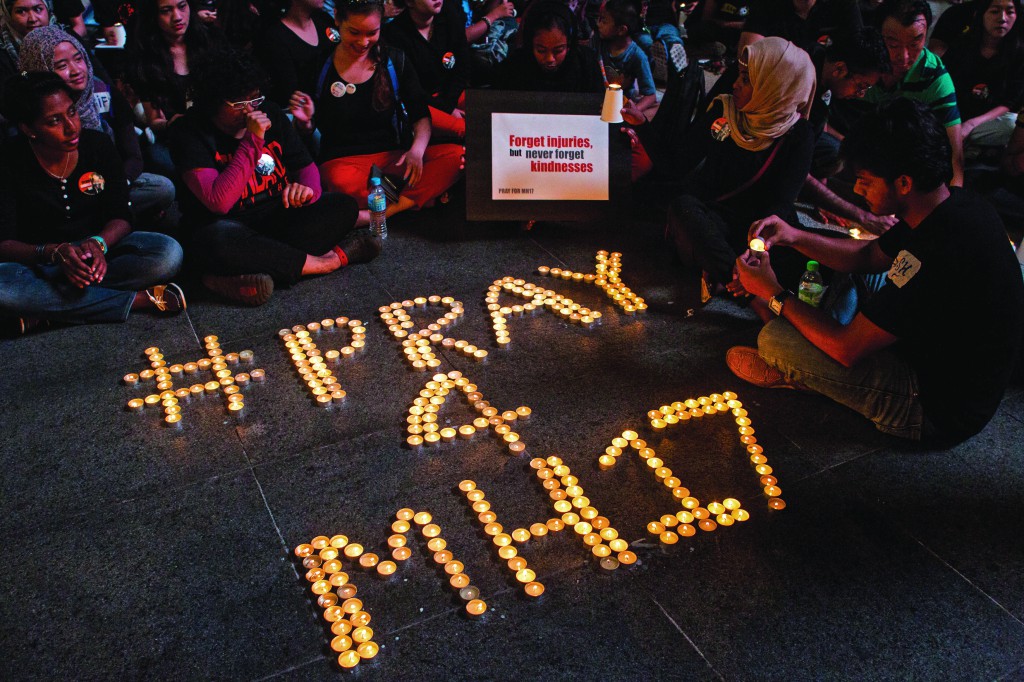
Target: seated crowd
<point>247,132</point>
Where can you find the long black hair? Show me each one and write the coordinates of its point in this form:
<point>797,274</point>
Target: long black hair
<point>383,95</point>
<point>151,62</point>
<point>1010,43</point>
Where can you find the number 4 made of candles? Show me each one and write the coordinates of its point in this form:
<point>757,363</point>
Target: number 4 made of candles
<point>324,559</point>
<point>225,380</point>
<point>725,512</point>
<point>314,365</point>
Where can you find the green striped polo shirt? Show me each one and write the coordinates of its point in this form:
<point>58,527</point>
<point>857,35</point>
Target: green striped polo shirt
<point>927,82</point>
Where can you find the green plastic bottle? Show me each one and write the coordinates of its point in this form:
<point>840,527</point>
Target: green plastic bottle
<point>812,287</point>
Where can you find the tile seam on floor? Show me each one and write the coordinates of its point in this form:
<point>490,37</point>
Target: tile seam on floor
<point>1008,673</point>
<point>831,467</point>
<point>975,586</point>
<point>298,666</point>
<point>266,503</point>
<point>687,637</point>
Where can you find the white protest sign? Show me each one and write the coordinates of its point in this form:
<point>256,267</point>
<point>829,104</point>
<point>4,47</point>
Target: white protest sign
<point>548,157</point>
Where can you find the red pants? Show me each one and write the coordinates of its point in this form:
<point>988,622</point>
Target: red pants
<point>446,123</point>
<point>350,174</point>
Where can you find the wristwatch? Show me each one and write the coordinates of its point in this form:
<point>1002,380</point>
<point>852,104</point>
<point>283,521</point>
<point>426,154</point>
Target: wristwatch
<point>776,302</point>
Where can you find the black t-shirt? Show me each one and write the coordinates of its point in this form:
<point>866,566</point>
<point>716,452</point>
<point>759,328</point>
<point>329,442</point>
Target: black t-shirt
<point>292,63</point>
<point>442,63</point>
<point>580,72</point>
<point>39,209</point>
<point>954,22</point>
<point>196,143</point>
<point>984,84</point>
<point>955,299</point>
<point>827,17</point>
<point>728,167</point>
<point>350,126</point>
<point>172,95</point>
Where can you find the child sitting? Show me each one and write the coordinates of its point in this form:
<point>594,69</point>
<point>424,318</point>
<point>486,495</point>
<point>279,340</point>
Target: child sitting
<point>622,61</point>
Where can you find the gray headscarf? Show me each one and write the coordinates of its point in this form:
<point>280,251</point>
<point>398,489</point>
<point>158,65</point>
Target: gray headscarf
<point>37,55</point>
<point>9,41</point>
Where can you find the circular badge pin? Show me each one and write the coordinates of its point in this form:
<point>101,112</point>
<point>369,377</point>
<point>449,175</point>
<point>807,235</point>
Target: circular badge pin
<point>333,35</point>
<point>266,164</point>
<point>91,183</point>
<point>448,60</point>
<point>720,129</point>
<point>350,88</point>
<point>338,89</point>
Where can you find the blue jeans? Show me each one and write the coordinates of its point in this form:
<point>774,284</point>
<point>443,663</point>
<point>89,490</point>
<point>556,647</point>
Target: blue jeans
<point>151,192</point>
<point>664,32</point>
<point>882,387</point>
<point>138,261</point>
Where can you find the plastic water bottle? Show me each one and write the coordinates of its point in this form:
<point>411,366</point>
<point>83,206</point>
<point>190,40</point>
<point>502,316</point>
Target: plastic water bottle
<point>812,288</point>
<point>378,203</point>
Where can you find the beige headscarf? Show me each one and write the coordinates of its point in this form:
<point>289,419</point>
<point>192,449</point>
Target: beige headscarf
<point>783,80</point>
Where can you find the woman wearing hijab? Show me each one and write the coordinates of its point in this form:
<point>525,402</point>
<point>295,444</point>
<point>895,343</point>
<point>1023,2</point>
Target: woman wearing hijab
<point>100,107</point>
<point>17,18</point>
<point>753,149</point>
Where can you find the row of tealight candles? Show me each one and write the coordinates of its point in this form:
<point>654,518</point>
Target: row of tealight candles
<point>607,276</point>
<point>418,346</point>
<point>578,513</point>
<point>336,594</point>
<point>714,404</point>
<point>502,540</point>
<point>312,365</point>
<point>725,512</point>
<point>216,361</point>
<point>422,420</point>
<point>539,298</point>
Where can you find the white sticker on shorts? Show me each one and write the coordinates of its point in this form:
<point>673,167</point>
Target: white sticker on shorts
<point>904,267</point>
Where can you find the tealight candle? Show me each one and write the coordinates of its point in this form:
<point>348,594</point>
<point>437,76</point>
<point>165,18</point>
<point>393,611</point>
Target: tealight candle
<point>476,607</point>
<point>757,244</point>
<point>172,420</point>
<point>136,404</point>
<point>618,545</point>
<point>609,563</point>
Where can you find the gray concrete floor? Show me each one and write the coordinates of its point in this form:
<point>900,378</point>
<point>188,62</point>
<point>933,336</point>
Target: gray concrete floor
<point>133,551</point>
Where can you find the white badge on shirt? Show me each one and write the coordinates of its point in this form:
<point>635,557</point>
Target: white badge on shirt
<point>102,102</point>
<point>903,269</point>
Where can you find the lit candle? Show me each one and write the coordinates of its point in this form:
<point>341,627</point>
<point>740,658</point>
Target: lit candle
<point>136,404</point>
<point>757,244</point>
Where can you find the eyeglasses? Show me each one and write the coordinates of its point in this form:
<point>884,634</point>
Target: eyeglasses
<point>253,103</point>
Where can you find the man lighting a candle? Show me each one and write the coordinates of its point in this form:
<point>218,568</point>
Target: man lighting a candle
<point>929,354</point>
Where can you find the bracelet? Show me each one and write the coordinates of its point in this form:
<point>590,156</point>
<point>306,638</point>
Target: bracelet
<point>488,22</point>
<point>56,253</point>
<point>101,241</point>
